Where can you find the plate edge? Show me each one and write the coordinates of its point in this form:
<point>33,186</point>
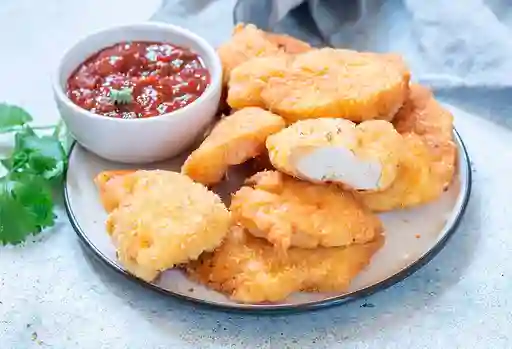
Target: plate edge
<point>280,309</point>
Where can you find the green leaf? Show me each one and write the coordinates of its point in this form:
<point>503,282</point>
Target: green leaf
<point>122,96</point>
<point>26,203</point>
<point>35,194</point>
<point>12,117</point>
<point>16,223</point>
<point>42,156</point>
<point>61,133</point>
<point>35,164</point>
<point>26,207</point>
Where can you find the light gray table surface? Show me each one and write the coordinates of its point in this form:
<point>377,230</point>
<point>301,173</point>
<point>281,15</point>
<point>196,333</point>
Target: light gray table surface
<point>53,296</point>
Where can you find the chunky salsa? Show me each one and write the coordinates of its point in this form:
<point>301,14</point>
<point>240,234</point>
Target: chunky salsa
<point>133,80</point>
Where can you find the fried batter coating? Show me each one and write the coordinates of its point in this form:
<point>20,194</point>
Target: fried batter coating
<point>234,140</point>
<point>361,157</point>
<point>248,42</point>
<point>326,82</point>
<point>114,186</point>
<point>249,79</point>
<point>288,212</point>
<point>428,161</point>
<point>425,117</point>
<point>163,219</point>
<point>337,83</point>
<point>288,43</point>
<point>248,270</point>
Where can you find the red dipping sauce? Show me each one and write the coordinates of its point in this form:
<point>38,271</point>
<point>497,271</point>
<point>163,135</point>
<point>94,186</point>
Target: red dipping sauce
<point>132,80</point>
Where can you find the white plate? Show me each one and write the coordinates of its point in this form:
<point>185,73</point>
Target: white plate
<point>413,237</point>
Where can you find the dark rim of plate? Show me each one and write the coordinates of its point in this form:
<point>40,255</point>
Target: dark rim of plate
<point>287,308</point>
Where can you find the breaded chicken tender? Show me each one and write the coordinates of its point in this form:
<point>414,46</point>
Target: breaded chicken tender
<point>114,186</point>
<point>325,82</point>
<point>161,219</point>
<point>249,80</point>
<point>361,157</point>
<point>428,161</point>
<point>288,43</point>
<point>288,212</point>
<point>248,42</point>
<point>234,140</point>
<point>248,270</point>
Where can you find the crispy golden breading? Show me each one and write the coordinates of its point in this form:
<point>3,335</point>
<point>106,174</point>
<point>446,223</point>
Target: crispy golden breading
<point>325,83</point>
<point>288,43</point>
<point>429,157</point>
<point>248,270</point>
<point>288,212</point>
<point>363,156</point>
<point>379,141</point>
<point>424,116</point>
<point>248,42</point>
<point>165,219</point>
<point>249,79</point>
<point>337,83</point>
<point>114,186</point>
<point>395,60</point>
<point>234,140</point>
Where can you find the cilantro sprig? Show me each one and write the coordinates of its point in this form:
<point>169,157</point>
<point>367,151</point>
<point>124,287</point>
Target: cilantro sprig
<point>122,96</point>
<point>33,169</point>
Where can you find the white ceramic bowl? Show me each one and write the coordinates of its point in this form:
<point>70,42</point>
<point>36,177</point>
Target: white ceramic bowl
<point>138,140</point>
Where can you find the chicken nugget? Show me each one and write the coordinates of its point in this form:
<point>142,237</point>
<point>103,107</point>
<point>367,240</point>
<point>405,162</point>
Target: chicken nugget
<point>248,270</point>
<point>247,42</point>
<point>361,157</point>
<point>338,83</point>
<point>163,220</point>
<point>234,140</point>
<point>288,43</point>
<point>325,82</point>
<point>394,60</point>
<point>289,212</point>
<point>428,161</point>
<point>114,186</point>
<point>249,79</point>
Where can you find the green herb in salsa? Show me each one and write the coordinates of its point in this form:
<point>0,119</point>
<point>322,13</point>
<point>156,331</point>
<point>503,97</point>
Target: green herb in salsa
<point>122,96</point>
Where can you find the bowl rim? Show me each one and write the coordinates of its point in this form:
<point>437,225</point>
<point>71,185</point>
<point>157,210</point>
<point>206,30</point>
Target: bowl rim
<point>211,56</point>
